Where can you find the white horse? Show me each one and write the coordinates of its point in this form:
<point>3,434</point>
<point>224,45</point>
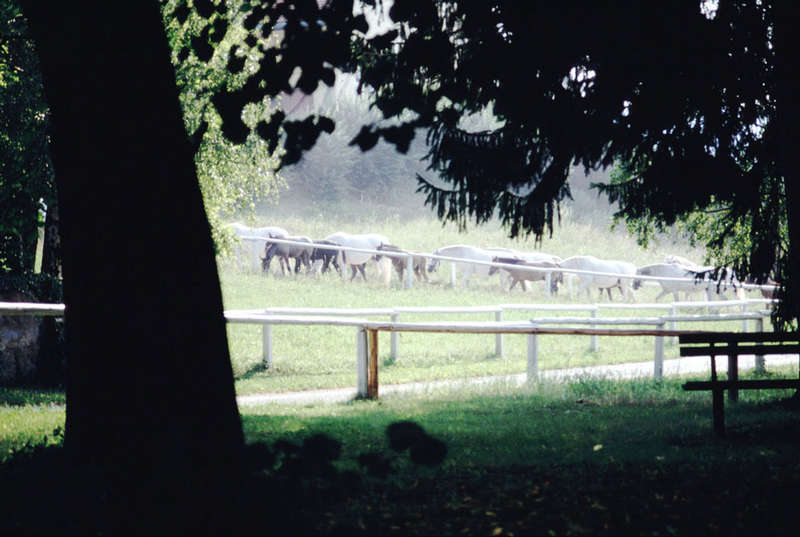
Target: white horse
<point>672,270</point>
<point>471,253</point>
<point>255,246</point>
<point>538,257</point>
<point>678,260</point>
<point>591,263</point>
<point>715,289</point>
<point>357,260</point>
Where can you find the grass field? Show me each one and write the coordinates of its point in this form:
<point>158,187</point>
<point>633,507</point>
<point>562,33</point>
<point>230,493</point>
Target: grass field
<point>324,357</point>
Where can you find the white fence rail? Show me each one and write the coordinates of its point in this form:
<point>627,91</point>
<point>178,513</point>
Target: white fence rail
<point>497,311</point>
<point>366,330</point>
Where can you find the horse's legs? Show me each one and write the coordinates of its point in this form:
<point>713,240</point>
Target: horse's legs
<point>361,269</point>
<point>325,262</point>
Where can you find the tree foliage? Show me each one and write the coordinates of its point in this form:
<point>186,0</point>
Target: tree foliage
<point>729,236</point>
<point>233,176</point>
<point>26,175</point>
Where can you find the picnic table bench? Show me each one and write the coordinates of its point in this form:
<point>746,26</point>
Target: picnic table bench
<point>733,345</point>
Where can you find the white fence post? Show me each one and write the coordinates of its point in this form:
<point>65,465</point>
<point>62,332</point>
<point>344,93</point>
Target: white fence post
<point>254,251</point>
<point>745,322</point>
<point>533,358</point>
<point>266,344</point>
<point>593,338</point>
<point>452,273</point>
<point>409,271</point>
<point>498,338</point>
<point>760,364</point>
<point>673,311</point>
<point>658,360</point>
<point>361,362</point>
<point>394,340</point>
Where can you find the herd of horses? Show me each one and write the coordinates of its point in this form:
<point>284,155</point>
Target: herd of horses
<point>678,274</point>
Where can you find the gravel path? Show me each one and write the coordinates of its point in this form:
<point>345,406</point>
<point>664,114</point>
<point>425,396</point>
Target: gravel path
<point>673,367</point>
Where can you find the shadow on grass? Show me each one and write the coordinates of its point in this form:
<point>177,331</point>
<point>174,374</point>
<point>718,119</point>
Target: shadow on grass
<point>253,371</point>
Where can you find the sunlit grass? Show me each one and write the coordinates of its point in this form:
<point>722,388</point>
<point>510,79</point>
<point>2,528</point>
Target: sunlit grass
<point>587,420</point>
<point>28,425</point>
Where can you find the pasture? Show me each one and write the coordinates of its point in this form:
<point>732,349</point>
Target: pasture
<point>324,357</point>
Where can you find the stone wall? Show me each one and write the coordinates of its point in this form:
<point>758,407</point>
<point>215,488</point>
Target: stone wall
<point>19,343</point>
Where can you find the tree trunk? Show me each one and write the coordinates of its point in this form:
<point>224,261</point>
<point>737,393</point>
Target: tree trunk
<point>788,133</point>
<point>150,398</point>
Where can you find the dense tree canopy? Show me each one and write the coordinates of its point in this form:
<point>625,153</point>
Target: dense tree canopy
<point>687,94</point>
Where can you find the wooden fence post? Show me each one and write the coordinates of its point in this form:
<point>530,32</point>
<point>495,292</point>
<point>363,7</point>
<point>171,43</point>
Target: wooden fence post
<point>658,360</point>
<point>361,363</point>
<point>498,338</point>
<point>733,371</point>
<point>372,369</point>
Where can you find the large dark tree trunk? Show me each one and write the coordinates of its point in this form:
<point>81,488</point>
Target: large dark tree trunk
<point>786,41</point>
<point>149,385</point>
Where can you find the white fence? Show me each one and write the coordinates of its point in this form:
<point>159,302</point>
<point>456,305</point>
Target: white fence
<point>366,330</point>
<point>263,316</point>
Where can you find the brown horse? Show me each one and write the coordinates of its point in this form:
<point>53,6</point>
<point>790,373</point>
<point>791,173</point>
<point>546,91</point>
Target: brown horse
<point>301,254</point>
<point>326,255</point>
<point>522,276</point>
